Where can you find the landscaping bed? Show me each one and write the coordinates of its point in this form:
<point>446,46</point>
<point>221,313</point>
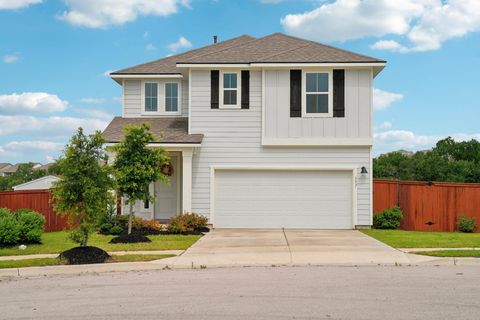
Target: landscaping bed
<point>41,262</point>
<point>56,242</point>
<point>421,239</point>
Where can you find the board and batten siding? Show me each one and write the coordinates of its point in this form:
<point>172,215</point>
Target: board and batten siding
<point>233,137</point>
<point>355,124</point>
<point>132,98</point>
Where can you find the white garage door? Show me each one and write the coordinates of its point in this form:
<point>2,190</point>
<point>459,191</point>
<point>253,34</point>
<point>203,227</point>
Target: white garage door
<point>283,199</point>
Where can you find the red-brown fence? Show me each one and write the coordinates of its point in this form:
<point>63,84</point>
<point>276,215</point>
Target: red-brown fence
<point>37,200</point>
<point>428,206</point>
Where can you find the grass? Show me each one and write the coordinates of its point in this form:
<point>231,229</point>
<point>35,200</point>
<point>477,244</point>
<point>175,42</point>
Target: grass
<point>451,253</point>
<point>41,262</point>
<point>56,242</point>
<point>421,239</point>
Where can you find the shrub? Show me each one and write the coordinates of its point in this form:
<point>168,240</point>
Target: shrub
<point>466,224</point>
<point>122,221</point>
<point>30,224</point>
<point>9,229</point>
<point>388,218</point>
<point>152,226</point>
<point>186,222</point>
<point>115,230</point>
<point>105,228</point>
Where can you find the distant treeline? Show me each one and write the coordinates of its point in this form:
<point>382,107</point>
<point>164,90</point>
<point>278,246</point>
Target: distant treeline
<point>448,161</point>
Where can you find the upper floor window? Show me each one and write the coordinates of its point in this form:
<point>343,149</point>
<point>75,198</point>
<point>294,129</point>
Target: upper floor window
<point>317,94</point>
<point>151,97</point>
<point>171,97</point>
<point>230,89</point>
<point>161,97</point>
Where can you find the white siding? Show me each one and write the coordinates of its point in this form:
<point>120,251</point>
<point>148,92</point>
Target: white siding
<point>355,124</point>
<point>234,137</point>
<point>133,98</point>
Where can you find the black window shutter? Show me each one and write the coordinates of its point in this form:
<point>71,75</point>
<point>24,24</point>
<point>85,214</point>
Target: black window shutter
<point>295,93</point>
<point>339,93</point>
<point>214,82</point>
<point>245,89</point>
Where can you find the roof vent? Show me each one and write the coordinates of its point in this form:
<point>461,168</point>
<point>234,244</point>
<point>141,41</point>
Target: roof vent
<point>215,39</point>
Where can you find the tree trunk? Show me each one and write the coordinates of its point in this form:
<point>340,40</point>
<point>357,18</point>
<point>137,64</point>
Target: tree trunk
<point>85,237</point>
<point>130,217</point>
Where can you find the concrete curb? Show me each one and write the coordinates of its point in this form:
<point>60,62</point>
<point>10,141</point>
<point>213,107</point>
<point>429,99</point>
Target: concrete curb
<point>433,249</point>
<point>170,263</point>
<point>118,253</point>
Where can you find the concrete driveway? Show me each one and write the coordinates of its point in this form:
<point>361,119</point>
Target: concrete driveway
<point>267,247</point>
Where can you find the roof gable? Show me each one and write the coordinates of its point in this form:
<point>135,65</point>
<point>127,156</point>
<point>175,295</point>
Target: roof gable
<point>168,65</point>
<point>274,48</point>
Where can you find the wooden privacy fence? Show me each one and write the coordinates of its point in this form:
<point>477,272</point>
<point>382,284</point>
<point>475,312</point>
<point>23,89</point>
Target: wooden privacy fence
<point>37,200</point>
<point>428,206</point>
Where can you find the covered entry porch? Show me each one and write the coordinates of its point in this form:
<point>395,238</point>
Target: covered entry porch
<point>173,197</point>
<point>172,134</point>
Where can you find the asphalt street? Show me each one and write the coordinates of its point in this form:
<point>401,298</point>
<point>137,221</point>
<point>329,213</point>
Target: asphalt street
<point>373,292</point>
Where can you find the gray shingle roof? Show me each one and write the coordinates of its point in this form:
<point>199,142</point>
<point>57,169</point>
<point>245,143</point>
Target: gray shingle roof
<point>168,65</point>
<point>167,130</point>
<point>274,48</point>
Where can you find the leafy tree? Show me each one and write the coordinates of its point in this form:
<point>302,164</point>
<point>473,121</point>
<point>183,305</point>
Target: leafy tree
<point>136,166</point>
<point>24,173</point>
<point>448,161</point>
<point>84,191</point>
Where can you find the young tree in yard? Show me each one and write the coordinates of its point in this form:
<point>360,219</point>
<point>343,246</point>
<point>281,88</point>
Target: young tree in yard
<point>84,191</point>
<point>136,166</point>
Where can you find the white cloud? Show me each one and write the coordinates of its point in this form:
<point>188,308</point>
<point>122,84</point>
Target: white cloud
<point>104,13</point>
<point>10,58</point>
<point>17,4</point>
<point>95,113</point>
<point>150,47</point>
<point>31,102</point>
<point>384,125</point>
<point>93,100</point>
<point>182,43</point>
<point>25,148</point>
<point>106,73</point>
<point>49,126</point>
<point>394,140</point>
<point>145,35</point>
<point>389,45</point>
<point>383,99</point>
<point>117,100</point>
<point>425,24</point>
<point>272,1</point>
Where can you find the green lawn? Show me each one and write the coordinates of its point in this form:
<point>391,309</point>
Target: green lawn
<point>419,239</point>
<point>56,242</point>
<point>451,253</point>
<point>41,262</point>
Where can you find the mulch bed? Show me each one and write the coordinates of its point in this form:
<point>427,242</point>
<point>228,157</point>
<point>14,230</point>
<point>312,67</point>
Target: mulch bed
<point>84,255</point>
<point>130,238</point>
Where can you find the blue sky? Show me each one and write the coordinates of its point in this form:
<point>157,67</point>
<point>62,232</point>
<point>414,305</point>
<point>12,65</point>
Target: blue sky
<point>54,56</point>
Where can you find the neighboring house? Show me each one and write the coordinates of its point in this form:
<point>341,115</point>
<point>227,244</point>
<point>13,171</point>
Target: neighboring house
<point>7,169</point>
<point>263,132</point>
<point>43,183</point>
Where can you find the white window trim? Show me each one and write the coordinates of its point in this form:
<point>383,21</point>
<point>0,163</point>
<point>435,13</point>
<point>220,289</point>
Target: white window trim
<point>161,104</point>
<point>306,114</point>
<point>179,106</point>
<point>239,90</point>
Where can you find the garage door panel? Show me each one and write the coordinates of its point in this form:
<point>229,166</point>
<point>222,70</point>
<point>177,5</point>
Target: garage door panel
<point>291,199</point>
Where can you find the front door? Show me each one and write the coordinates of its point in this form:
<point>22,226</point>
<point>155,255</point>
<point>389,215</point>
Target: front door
<point>166,195</point>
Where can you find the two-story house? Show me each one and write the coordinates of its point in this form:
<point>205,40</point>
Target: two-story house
<point>263,132</point>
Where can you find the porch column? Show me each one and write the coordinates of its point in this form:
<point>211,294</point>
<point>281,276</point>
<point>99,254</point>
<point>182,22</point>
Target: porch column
<point>187,180</point>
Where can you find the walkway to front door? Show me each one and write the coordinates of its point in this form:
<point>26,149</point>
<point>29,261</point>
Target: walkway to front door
<point>257,247</point>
